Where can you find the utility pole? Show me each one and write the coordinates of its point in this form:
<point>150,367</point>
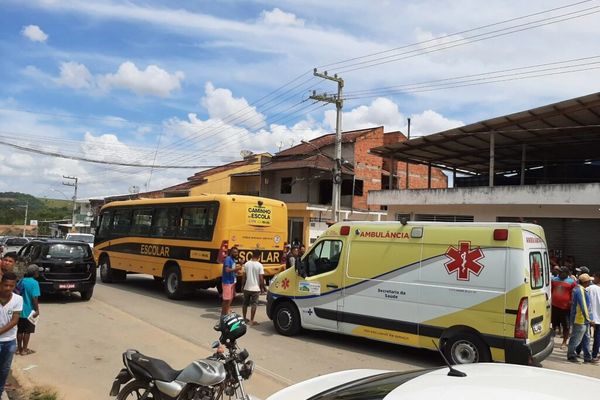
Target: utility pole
<point>407,171</point>
<point>25,221</point>
<point>74,185</point>
<point>337,168</point>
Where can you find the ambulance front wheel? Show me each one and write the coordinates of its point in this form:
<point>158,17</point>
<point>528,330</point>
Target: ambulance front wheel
<point>466,348</point>
<point>286,319</point>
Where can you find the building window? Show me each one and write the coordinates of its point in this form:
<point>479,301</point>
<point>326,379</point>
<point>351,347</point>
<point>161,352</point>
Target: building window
<point>286,185</point>
<point>352,185</point>
<point>444,218</point>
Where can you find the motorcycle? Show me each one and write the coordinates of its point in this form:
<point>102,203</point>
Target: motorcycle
<point>217,377</point>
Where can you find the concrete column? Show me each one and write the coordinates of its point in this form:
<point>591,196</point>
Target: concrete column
<point>453,177</point>
<point>492,155</point>
<point>429,176</point>
<point>523,156</point>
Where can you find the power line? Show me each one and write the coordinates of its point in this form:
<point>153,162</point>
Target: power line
<point>60,155</point>
<point>418,84</point>
<point>493,80</point>
<point>454,34</point>
<point>465,41</point>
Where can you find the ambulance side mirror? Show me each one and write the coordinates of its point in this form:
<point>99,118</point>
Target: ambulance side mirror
<point>300,268</point>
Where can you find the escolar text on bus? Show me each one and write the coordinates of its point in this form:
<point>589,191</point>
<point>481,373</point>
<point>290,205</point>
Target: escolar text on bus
<point>154,250</point>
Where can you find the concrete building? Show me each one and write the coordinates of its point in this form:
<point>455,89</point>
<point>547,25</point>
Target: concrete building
<point>301,176</point>
<point>541,165</point>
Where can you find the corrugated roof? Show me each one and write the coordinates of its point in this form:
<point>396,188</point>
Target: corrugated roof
<point>316,161</point>
<point>323,141</point>
<point>567,131</point>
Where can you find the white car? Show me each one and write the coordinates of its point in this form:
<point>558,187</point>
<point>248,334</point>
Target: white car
<point>481,381</point>
<point>82,237</point>
<point>10,244</point>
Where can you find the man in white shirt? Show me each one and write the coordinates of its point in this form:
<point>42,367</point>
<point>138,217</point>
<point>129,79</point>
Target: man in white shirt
<point>254,284</point>
<point>594,293</point>
<point>11,306</point>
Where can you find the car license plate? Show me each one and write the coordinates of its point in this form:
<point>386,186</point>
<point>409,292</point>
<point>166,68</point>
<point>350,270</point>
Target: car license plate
<point>66,286</point>
<point>537,328</point>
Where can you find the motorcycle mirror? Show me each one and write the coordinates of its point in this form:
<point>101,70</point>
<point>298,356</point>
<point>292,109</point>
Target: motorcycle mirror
<point>215,344</point>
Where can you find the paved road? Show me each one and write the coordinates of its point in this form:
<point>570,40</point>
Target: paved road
<point>80,343</point>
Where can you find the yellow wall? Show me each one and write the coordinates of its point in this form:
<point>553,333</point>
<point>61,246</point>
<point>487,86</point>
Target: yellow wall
<point>220,182</point>
<point>245,184</point>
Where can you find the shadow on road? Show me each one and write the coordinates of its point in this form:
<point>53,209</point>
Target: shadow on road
<point>61,298</point>
<point>209,302</point>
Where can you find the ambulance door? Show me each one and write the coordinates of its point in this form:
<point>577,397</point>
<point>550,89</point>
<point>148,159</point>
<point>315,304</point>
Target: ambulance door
<point>321,289</point>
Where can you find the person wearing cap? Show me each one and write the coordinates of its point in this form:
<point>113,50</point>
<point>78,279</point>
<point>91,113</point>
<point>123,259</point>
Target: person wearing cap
<point>29,288</point>
<point>594,295</point>
<point>562,289</point>
<point>581,318</point>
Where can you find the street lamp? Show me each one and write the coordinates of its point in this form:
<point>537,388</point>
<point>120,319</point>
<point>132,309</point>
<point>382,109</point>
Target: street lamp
<point>26,206</point>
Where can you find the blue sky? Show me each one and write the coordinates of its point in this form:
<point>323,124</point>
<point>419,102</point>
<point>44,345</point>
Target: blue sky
<point>151,81</point>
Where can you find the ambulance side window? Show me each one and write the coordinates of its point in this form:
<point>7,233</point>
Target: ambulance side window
<point>324,257</point>
<point>536,271</point>
<point>546,270</point>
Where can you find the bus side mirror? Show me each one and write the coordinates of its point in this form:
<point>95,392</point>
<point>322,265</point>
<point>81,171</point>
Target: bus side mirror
<point>94,222</point>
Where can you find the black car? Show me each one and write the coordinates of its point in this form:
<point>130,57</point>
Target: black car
<point>65,266</point>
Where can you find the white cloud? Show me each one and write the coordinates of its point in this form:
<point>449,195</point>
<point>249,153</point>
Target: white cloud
<point>75,76</point>
<point>153,80</point>
<point>429,122</point>
<point>34,33</point>
<point>381,111</point>
<point>220,104</point>
<point>384,112</point>
<point>279,17</point>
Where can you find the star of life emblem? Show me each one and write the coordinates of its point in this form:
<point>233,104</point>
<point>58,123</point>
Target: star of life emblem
<point>464,261</point>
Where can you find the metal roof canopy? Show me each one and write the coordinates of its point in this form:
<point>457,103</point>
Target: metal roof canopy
<point>564,132</point>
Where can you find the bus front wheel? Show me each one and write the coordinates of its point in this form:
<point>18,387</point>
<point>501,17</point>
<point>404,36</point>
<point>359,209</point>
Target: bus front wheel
<point>174,287</point>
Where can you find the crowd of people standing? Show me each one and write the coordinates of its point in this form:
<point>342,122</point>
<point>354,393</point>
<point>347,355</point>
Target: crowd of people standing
<point>19,310</point>
<point>576,311</point>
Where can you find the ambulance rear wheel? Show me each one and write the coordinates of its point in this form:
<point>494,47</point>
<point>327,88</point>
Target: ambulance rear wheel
<point>286,319</point>
<point>466,348</point>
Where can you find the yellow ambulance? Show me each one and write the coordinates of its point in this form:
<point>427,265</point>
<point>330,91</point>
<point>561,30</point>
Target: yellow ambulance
<point>481,291</point>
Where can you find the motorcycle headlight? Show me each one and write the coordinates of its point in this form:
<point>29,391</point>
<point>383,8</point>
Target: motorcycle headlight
<point>247,369</point>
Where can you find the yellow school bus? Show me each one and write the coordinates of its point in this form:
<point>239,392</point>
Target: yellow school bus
<point>183,241</point>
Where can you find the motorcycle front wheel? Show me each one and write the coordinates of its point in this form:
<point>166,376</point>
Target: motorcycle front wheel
<point>135,390</point>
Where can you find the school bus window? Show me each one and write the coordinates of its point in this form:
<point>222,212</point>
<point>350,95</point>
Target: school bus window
<point>105,224</point>
<point>165,222</point>
<point>536,270</point>
<point>324,257</point>
<point>142,221</point>
<point>197,222</point>
<point>121,222</point>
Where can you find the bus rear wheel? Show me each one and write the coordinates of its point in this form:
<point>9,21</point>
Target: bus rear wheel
<point>174,287</point>
<point>109,275</point>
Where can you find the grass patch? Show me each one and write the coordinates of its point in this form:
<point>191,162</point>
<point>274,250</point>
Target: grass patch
<point>41,393</point>
<point>37,393</point>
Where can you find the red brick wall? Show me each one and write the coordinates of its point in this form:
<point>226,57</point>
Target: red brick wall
<point>367,167</point>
